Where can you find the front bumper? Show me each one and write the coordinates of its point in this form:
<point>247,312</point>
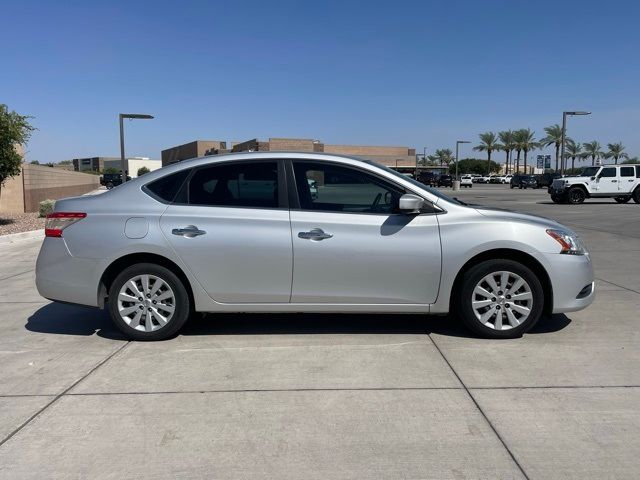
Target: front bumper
<point>64,278</point>
<point>570,276</point>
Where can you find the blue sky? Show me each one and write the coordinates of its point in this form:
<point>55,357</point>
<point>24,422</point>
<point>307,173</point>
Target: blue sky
<point>416,73</point>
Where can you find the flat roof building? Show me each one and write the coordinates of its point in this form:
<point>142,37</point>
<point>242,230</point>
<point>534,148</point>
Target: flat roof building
<point>390,156</point>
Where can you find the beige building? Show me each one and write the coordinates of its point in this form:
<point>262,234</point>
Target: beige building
<point>390,156</point>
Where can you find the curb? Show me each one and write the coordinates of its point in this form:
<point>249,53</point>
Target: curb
<point>17,237</point>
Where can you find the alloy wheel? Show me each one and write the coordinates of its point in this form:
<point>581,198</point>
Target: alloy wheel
<point>146,303</point>
<point>502,300</point>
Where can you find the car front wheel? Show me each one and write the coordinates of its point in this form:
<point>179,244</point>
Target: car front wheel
<point>576,195</point>
<point>148,302</point>
<point>499,299</point>
<point>558,198</point>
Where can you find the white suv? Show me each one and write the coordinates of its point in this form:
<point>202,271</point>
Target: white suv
<point>620,182</point>
<point>466,181</point>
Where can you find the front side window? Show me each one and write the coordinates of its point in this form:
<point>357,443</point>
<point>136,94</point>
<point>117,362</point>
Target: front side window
<point>627,172</point>
<point>590,171</point>
<point>333,188</point>
<point>608,172</point>
<point>244,184</point>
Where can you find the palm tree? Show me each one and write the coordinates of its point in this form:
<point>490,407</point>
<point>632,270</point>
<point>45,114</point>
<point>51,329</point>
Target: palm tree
<point>572,150</point>
<point>593,151</point>
<point>517,147</point>
<point>506,137</point>
<point>488,143</point>
<point>442,156</point>
<point>616,151</point>
<point>526,142</point>
<point>554,137</point>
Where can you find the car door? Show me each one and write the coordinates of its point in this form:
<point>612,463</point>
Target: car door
<point>627,179</point>
<point>230,226</point>
<point>350,244</point>
<point>607,181</point>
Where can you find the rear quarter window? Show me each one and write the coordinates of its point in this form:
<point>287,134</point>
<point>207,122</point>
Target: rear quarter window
<point>166,188</point>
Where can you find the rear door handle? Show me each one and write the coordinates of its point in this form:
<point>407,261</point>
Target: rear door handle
<point>316,234</point>
<point>189,231</point>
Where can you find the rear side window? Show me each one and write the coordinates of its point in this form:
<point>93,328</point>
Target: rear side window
<point>608,172</point>
<point>166,188</point>
<point>246,184</point>
<point>627,172</point>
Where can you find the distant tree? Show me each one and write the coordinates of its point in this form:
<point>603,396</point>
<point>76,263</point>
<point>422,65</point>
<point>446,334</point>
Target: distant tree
<point>142,171</point>
<point>15,129</point>
<point>111,170</point>
<point>34,162</point>
<point>488,143</point>
<point>65,162</point>
<point>474,165</point>
<point>506,137</point>
<point>631,160</point>
<point>593,150</point>
<point>525,139</point>
<point>616,151</point>
<point>572,150</point>
<point>554,137</point>
<point>442,156</point>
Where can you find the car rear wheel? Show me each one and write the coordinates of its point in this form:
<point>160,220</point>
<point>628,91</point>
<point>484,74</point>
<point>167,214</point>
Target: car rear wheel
<point>636,195</point>
<point>576,195</point>
<point>622,199</point>
<point>499,299</point>
<point>148,302</point>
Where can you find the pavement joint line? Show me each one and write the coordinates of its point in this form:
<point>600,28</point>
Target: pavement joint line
<point>16,275</point>
<point>495,431</point>
<point>60,395</point>
<point>615,284</point>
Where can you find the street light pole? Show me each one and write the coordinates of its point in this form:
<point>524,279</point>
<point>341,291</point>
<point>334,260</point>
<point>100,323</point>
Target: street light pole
<point>457,144</point>
<point>564,135</point>
<point>121,117</point>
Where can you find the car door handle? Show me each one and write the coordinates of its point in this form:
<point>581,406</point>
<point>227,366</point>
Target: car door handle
<point>189,231</point>
<point>316,234</point>
<point>614,181</point>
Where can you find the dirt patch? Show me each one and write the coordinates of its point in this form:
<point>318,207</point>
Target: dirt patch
<point>19,222</point>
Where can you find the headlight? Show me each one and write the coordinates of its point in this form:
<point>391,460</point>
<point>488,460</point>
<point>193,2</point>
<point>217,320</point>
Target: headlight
<point>571,244</point>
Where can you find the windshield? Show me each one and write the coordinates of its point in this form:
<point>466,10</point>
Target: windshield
<point>590,171</point>
<point>415,182</point>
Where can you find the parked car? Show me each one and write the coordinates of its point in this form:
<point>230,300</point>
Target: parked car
<point>546,179</point>
<point>428,178</point>
<point>111,180</point>
<point>523,181</point>
<point>445,180</point>
<point>475,177</point>
<point>620,182</point>
<point>466,181</point>
<point>243,233</point>
<point>507,178</point>
<point>496,179</point>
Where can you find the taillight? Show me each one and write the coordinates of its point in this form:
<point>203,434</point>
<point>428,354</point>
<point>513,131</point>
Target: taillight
<point>58,221</point>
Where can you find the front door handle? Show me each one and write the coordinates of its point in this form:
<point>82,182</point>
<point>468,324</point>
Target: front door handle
<point>189,231</point>
<point>614,181</point>
<point>315,234</point>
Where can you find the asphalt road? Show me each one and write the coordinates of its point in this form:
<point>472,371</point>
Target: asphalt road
<point>330,396</point>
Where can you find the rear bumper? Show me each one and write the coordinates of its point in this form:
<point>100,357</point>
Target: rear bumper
<point>64,278</point>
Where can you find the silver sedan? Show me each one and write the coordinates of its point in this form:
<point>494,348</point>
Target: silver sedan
<point>295,232</point>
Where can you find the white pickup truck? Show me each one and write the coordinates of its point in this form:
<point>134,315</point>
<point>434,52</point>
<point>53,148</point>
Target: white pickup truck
<point>620,182</point>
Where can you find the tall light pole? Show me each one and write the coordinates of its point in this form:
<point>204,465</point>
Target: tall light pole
<point>130,116</point>
<point>457,144</point>
<point>564,134</point>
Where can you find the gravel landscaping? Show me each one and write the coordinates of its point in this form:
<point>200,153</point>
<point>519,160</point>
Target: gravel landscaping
<point>19,222</point>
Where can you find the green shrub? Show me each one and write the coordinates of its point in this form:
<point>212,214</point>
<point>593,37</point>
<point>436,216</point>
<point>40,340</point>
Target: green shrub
<point>46,207</point>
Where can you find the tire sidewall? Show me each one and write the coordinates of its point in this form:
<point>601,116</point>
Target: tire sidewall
<point>465,295</point>
<point>576,189</point>
<point>182,303</point>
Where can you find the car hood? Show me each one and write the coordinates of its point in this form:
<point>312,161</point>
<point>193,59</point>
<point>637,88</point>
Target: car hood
<point>511,216</point>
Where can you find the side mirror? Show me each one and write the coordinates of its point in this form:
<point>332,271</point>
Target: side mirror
<point>410,203</point>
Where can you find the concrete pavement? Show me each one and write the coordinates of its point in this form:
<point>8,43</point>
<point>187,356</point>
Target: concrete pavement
<point>330,396</point>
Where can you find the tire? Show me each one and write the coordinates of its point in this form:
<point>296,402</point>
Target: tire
<point>576,195</point>
<point>511,186</point>
<point>177,298</point>
<point>558,198</point>
<point>636,195</point>
<point>622,199</point>
<point>531,287</point>
<point>109,186</point>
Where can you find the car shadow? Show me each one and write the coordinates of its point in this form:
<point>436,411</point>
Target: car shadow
<point>586,202</point>
<point>63,319</point>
